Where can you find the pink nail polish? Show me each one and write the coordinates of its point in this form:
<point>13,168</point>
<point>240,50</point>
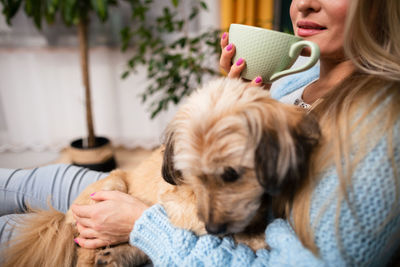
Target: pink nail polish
<point>258,79</point>
<point>76,241</point>
<point>239,62</point>
<point>229,47</point>
<point>92,194</point>
<point>224,36</point>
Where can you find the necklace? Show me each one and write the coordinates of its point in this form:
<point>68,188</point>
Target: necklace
<point>299,102</point>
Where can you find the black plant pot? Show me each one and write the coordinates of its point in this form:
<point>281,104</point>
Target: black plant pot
<point>97,158</point>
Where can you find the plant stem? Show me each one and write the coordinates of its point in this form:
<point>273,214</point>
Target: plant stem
<point>84,53</point>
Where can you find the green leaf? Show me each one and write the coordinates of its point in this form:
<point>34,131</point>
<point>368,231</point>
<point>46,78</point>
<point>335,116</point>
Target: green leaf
<point>33,9</point>
<point>195,40</point>
<point>69,11</point>
<point>51,6</point>
<point>194,13</point>
<point>50,10</point>
<point>175,3</point>
<point>173,66</point>
<point>100,7</point>
<point>203,5</point>
<point>125,38</point>
<point>181,42</point>
<point>158,109</point>
<point>10,8</point>
<point>131,62</point>
<point>125,74</point>
<point>180,24</point>
<point>29,7</point>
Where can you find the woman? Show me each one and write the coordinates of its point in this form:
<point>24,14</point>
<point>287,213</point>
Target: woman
<point>353,193</point>
<point>352,197</point>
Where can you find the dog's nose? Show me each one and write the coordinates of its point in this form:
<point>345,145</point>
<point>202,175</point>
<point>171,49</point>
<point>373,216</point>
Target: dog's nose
<point>216,228</point>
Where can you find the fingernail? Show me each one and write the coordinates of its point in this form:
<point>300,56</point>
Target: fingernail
<point>229,47</point>
<point>224,36</point>
<point>76,241</point>
<point>258,79</point>
<point>239,62</point>
<point>92,194</point>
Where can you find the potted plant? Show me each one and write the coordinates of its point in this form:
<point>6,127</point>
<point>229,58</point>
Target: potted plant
<point>174,67</point>
<point>93,152</point>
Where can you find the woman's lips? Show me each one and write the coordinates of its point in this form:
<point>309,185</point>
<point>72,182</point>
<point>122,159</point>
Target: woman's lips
<point>308,28</point>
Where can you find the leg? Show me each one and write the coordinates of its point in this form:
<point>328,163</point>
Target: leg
<point>7,232</point>
<point>59,184</point>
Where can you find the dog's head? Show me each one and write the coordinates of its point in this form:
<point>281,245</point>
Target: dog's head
<point>233,146</point>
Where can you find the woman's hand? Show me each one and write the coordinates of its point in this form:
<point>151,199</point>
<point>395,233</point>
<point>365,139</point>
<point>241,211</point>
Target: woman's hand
<point>233,70</point>
<point>109,221</point>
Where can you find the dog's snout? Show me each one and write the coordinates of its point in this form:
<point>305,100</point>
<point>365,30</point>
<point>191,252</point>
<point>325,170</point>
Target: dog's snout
<point>216,228</point>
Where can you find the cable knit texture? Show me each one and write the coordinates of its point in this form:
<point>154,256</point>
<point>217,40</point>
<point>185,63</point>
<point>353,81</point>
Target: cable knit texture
<point>170,246</point>
<point>367,234</point>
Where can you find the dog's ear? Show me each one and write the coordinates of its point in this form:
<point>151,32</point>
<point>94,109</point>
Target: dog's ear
<point>169,173</point>
<point>305,136</point>
<point>266,161</point>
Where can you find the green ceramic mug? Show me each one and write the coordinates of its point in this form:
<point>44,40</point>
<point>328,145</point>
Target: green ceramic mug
<point>268,53</point>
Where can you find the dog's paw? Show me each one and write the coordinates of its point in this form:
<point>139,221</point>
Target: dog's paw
<point>120,256</point>
<point>105,257</point>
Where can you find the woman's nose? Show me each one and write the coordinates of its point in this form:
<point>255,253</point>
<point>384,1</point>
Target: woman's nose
<point>308,5</point>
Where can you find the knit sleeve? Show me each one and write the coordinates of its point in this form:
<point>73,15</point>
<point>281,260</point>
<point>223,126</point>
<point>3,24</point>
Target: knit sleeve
<point>170,246</point>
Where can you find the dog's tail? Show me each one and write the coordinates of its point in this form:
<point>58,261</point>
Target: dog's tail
<point>44,239</point>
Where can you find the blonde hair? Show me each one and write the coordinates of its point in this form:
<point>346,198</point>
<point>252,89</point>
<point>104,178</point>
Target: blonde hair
<point>368,99</point>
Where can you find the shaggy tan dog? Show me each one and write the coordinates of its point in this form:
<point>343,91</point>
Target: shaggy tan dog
<point>233,157</point>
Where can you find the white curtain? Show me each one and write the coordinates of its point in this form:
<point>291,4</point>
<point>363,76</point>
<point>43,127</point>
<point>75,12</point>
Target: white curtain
<point>42,100</point>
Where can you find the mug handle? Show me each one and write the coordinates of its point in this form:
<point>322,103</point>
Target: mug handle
<point>294,53</point>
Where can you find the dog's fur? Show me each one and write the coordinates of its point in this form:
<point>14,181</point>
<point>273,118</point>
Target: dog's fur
<point>232,155</point>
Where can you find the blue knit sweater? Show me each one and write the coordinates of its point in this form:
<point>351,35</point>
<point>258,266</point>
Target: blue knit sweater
<point>368,236</point>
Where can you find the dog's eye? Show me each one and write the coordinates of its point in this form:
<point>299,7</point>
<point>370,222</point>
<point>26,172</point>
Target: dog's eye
<point>230,174</point>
